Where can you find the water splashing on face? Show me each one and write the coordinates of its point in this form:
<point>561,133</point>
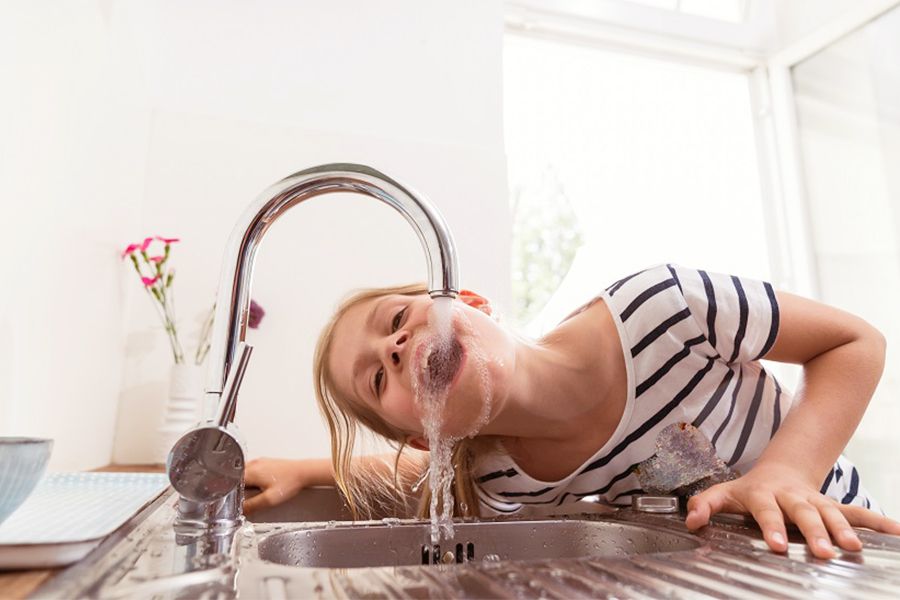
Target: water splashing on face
<point>435,368</point>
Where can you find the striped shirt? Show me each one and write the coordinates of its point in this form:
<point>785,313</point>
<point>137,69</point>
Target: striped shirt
<point>692,341</point>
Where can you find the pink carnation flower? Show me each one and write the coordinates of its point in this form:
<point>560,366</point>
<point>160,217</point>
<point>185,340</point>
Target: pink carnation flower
<point>130,250</point>
<point>157,259</point>
<point>167,240</point>
<point>148,281</point>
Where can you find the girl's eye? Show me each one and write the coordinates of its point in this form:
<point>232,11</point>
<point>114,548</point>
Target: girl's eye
<point>379,375</point>
<point>395,324</point>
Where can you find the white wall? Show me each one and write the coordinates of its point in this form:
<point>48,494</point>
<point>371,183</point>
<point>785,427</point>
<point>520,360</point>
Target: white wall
<point>122,119</point>
<point>244,96</point>
<point>73,136</point>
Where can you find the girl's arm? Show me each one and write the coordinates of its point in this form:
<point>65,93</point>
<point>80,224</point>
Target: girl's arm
<point>281,479</point>
<point>843,359</point>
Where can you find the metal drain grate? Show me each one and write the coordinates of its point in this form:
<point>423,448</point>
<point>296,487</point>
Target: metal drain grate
<point>431,555</point>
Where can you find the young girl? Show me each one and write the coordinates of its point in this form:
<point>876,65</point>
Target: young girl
<point>581,411</point>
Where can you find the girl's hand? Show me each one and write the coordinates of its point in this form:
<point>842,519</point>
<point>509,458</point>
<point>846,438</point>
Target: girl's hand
<point>772,492</point>
<point>278,478</point>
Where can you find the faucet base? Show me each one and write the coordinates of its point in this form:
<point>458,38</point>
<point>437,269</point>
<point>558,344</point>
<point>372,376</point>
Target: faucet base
<point>220,516</point>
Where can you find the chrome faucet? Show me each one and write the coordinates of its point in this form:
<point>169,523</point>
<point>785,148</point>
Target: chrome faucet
<point>206,466</point>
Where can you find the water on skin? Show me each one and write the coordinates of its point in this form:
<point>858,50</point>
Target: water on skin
<point>431,389</point>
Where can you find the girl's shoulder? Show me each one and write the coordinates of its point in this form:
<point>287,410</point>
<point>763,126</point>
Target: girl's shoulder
<point>728,316</point>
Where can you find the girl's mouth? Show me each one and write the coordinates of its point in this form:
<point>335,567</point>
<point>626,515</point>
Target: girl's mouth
<point>443,366</point>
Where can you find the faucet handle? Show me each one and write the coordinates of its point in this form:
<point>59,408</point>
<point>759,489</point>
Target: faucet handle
<point>206,464</point>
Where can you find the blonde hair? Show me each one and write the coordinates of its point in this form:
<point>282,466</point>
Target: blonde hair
<point>369,493</point>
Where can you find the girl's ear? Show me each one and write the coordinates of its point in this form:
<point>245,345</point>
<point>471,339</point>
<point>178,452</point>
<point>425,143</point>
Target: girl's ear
<point>475,301</point>
<point>419,443</point>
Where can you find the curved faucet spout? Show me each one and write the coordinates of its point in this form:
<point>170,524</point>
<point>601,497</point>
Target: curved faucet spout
<point>233,299</point>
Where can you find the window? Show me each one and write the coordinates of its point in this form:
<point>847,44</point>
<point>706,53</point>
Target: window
<point>847,97</point>
<point>732,11</point>
<point>617,162</point>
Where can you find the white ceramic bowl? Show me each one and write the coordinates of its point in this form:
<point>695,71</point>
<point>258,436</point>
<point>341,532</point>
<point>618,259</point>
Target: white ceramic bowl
<point>22,463</point>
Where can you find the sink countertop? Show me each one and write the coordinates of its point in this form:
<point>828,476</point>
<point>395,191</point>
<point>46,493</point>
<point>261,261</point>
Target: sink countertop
<point>732,561</point>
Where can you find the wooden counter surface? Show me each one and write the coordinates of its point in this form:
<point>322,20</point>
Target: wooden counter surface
<point>15,585</point>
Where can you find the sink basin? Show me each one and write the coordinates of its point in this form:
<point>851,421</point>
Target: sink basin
<point>406,543</point>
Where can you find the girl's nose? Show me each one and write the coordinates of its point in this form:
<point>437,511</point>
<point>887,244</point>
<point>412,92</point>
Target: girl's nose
<point>397,346</point>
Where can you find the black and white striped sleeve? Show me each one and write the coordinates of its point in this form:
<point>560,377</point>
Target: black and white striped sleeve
<point>737,315</point>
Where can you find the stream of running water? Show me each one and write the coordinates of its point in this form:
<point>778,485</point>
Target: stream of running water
<point>440,360</point>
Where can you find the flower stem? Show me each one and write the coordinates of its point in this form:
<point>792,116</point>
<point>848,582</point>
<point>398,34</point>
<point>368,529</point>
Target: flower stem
<point>170,312</point>
<point>165,319</point>
<point>160,299</point>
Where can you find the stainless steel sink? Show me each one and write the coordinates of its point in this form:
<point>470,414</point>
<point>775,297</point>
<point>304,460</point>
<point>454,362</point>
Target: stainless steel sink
<point>588,556</point>
<point>406,543</point>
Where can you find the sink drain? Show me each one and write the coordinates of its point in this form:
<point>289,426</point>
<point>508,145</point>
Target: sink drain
<point>431,555</point>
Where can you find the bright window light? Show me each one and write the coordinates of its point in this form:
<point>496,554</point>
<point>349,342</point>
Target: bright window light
<point>722,10</point>
<point>618,162</point>
<point>666,4</point>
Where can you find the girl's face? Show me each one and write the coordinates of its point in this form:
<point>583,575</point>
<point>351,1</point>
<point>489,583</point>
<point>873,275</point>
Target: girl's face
<point>373,359</point>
